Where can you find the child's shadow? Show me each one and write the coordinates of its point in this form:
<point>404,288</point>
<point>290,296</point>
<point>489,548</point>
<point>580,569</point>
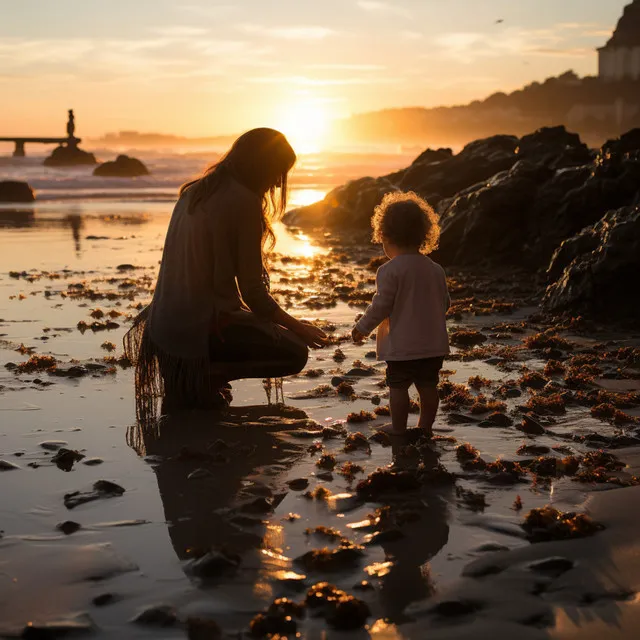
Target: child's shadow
<point>423,523</point>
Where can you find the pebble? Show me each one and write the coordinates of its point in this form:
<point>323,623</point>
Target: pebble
<point>212,565</point>
<point>530,426</point>
<point>68,527</point>
<point>161,615</point>
<point>92,462</point>
<point>5,465</point>
<point>299,484</point>
<point>53,445</point>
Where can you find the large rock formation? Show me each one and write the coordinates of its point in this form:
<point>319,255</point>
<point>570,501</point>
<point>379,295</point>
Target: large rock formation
<point>596,271</point>
<point>122,167</point>
<point>69,156</point>
<point>503,200</point>
<point>14,191</point>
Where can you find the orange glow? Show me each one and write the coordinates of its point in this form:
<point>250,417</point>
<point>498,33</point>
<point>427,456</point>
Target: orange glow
<point>306,125</point>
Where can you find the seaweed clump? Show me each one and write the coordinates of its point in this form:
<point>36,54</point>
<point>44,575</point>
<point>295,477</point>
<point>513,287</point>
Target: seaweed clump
<point>467,338</point>
<point>547,523</point>
<point>355,441</point>
<point>341,610</point>
<point>385,481</point>
<point>278,619</point>
<point>361,416</point>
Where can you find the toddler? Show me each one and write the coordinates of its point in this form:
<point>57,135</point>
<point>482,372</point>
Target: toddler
<point>409,307</point>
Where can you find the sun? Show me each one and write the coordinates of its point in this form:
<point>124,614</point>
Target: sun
<point>306,126</point>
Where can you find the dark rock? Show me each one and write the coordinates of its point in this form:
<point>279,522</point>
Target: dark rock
<point>53,445</point>
<point>299,484</point>
<point>162,615</point>
<point>122,167</point>
<point>65,458</point>
<point>14,191</point>
<point>5,465</point>
<point>597,271</point>
<point>553,567</point>
<point>69,156</point>
<point>72,371</point>
<point>101,489</point>
<point>213,565</point>
<point>512,392</point>
<point>103,599</point>
<point>68,527</point>
<point>530,426</point>
<point>456,608</point>
<point>495,212</point>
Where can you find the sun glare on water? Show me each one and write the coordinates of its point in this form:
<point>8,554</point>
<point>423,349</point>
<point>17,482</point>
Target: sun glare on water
<point>306,126</point>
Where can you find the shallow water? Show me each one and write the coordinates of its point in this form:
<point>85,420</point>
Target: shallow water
<point>136,546</point>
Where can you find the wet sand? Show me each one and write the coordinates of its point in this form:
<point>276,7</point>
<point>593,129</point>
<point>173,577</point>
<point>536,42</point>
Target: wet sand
<point>235,482</point>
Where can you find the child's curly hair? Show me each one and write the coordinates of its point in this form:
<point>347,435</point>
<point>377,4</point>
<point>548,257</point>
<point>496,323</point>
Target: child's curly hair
<point>406,220</point>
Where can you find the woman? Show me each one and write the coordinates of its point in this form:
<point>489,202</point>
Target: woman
<point>212,318</point>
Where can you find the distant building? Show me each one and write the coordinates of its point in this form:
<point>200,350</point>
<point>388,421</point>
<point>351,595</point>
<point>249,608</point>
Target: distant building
<point>620,57</point>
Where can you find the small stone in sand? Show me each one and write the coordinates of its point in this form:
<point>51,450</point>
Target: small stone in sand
<point>68,527</point>
<point>103,599</point>
<point>299,484</point>
<point>5,465</point>
<point>92,462</point>
<point>53,445</point>
<point>213,564</point>
<point>161,615</point>
<point>101,489</point>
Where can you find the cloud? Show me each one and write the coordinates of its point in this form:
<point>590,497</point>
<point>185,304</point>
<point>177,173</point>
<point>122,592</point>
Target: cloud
<point>300,32</point>
<point>304,81</point>
<point>347,67</point>
<point>575,52</point>
<point>178,31</point>
<point>467,47</point>
<point>411,35</point>
<point>384,8</point>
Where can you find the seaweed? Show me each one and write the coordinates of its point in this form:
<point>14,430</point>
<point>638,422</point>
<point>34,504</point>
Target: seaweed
<point>361,416</point>
<point>547,523</point>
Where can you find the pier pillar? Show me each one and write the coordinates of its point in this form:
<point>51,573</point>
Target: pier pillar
<point>19,151</point>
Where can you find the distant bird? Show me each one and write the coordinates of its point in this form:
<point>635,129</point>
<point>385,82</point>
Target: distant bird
<point>499,21</point>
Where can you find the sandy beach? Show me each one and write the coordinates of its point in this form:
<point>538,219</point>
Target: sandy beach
<point>71,277</point>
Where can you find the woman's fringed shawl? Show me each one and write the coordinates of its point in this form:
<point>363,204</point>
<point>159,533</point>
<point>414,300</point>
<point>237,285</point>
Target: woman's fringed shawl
<point>186,382</point>
<point>210,254</point>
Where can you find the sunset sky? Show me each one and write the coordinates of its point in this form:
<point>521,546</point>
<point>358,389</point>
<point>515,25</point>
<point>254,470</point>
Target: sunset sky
<point>201,68</point>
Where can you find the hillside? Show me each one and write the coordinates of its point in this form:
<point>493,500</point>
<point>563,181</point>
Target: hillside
<point>589,106</point>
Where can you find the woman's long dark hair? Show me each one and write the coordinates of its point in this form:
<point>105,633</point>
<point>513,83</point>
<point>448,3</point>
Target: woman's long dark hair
<point>259,159</point>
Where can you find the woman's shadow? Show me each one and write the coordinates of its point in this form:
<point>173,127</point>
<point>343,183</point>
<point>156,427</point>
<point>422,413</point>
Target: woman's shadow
<point>206,463</point>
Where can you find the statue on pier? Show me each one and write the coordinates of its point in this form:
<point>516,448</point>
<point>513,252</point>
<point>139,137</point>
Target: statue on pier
<point>71,124</point>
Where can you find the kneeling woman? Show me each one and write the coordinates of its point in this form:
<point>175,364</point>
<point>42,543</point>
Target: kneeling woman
<point>212,318</point>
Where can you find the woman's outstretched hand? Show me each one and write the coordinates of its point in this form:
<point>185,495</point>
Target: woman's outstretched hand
<point>311,335</point>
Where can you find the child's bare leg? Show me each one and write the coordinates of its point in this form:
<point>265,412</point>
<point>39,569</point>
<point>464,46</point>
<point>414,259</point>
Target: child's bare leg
<point>429,401</point>
<point>399,406</point>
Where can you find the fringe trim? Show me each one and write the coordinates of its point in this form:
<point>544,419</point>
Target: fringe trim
<point>164,381</point>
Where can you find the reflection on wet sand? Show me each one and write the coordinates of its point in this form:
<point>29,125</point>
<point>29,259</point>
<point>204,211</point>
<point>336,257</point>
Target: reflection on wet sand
<point>17,218</point>
<point>425,530</point>
<point>205,462</point>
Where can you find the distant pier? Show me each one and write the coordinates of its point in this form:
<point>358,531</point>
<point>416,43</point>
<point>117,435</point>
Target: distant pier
<point>20,143</point>
<point>69,140</point>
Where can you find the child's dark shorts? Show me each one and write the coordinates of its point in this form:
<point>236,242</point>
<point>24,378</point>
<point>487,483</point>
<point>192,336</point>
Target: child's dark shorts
<point>401,374</point>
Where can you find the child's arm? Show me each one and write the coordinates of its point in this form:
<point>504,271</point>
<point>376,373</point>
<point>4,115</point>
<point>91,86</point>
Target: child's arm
<point>381,305</point>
